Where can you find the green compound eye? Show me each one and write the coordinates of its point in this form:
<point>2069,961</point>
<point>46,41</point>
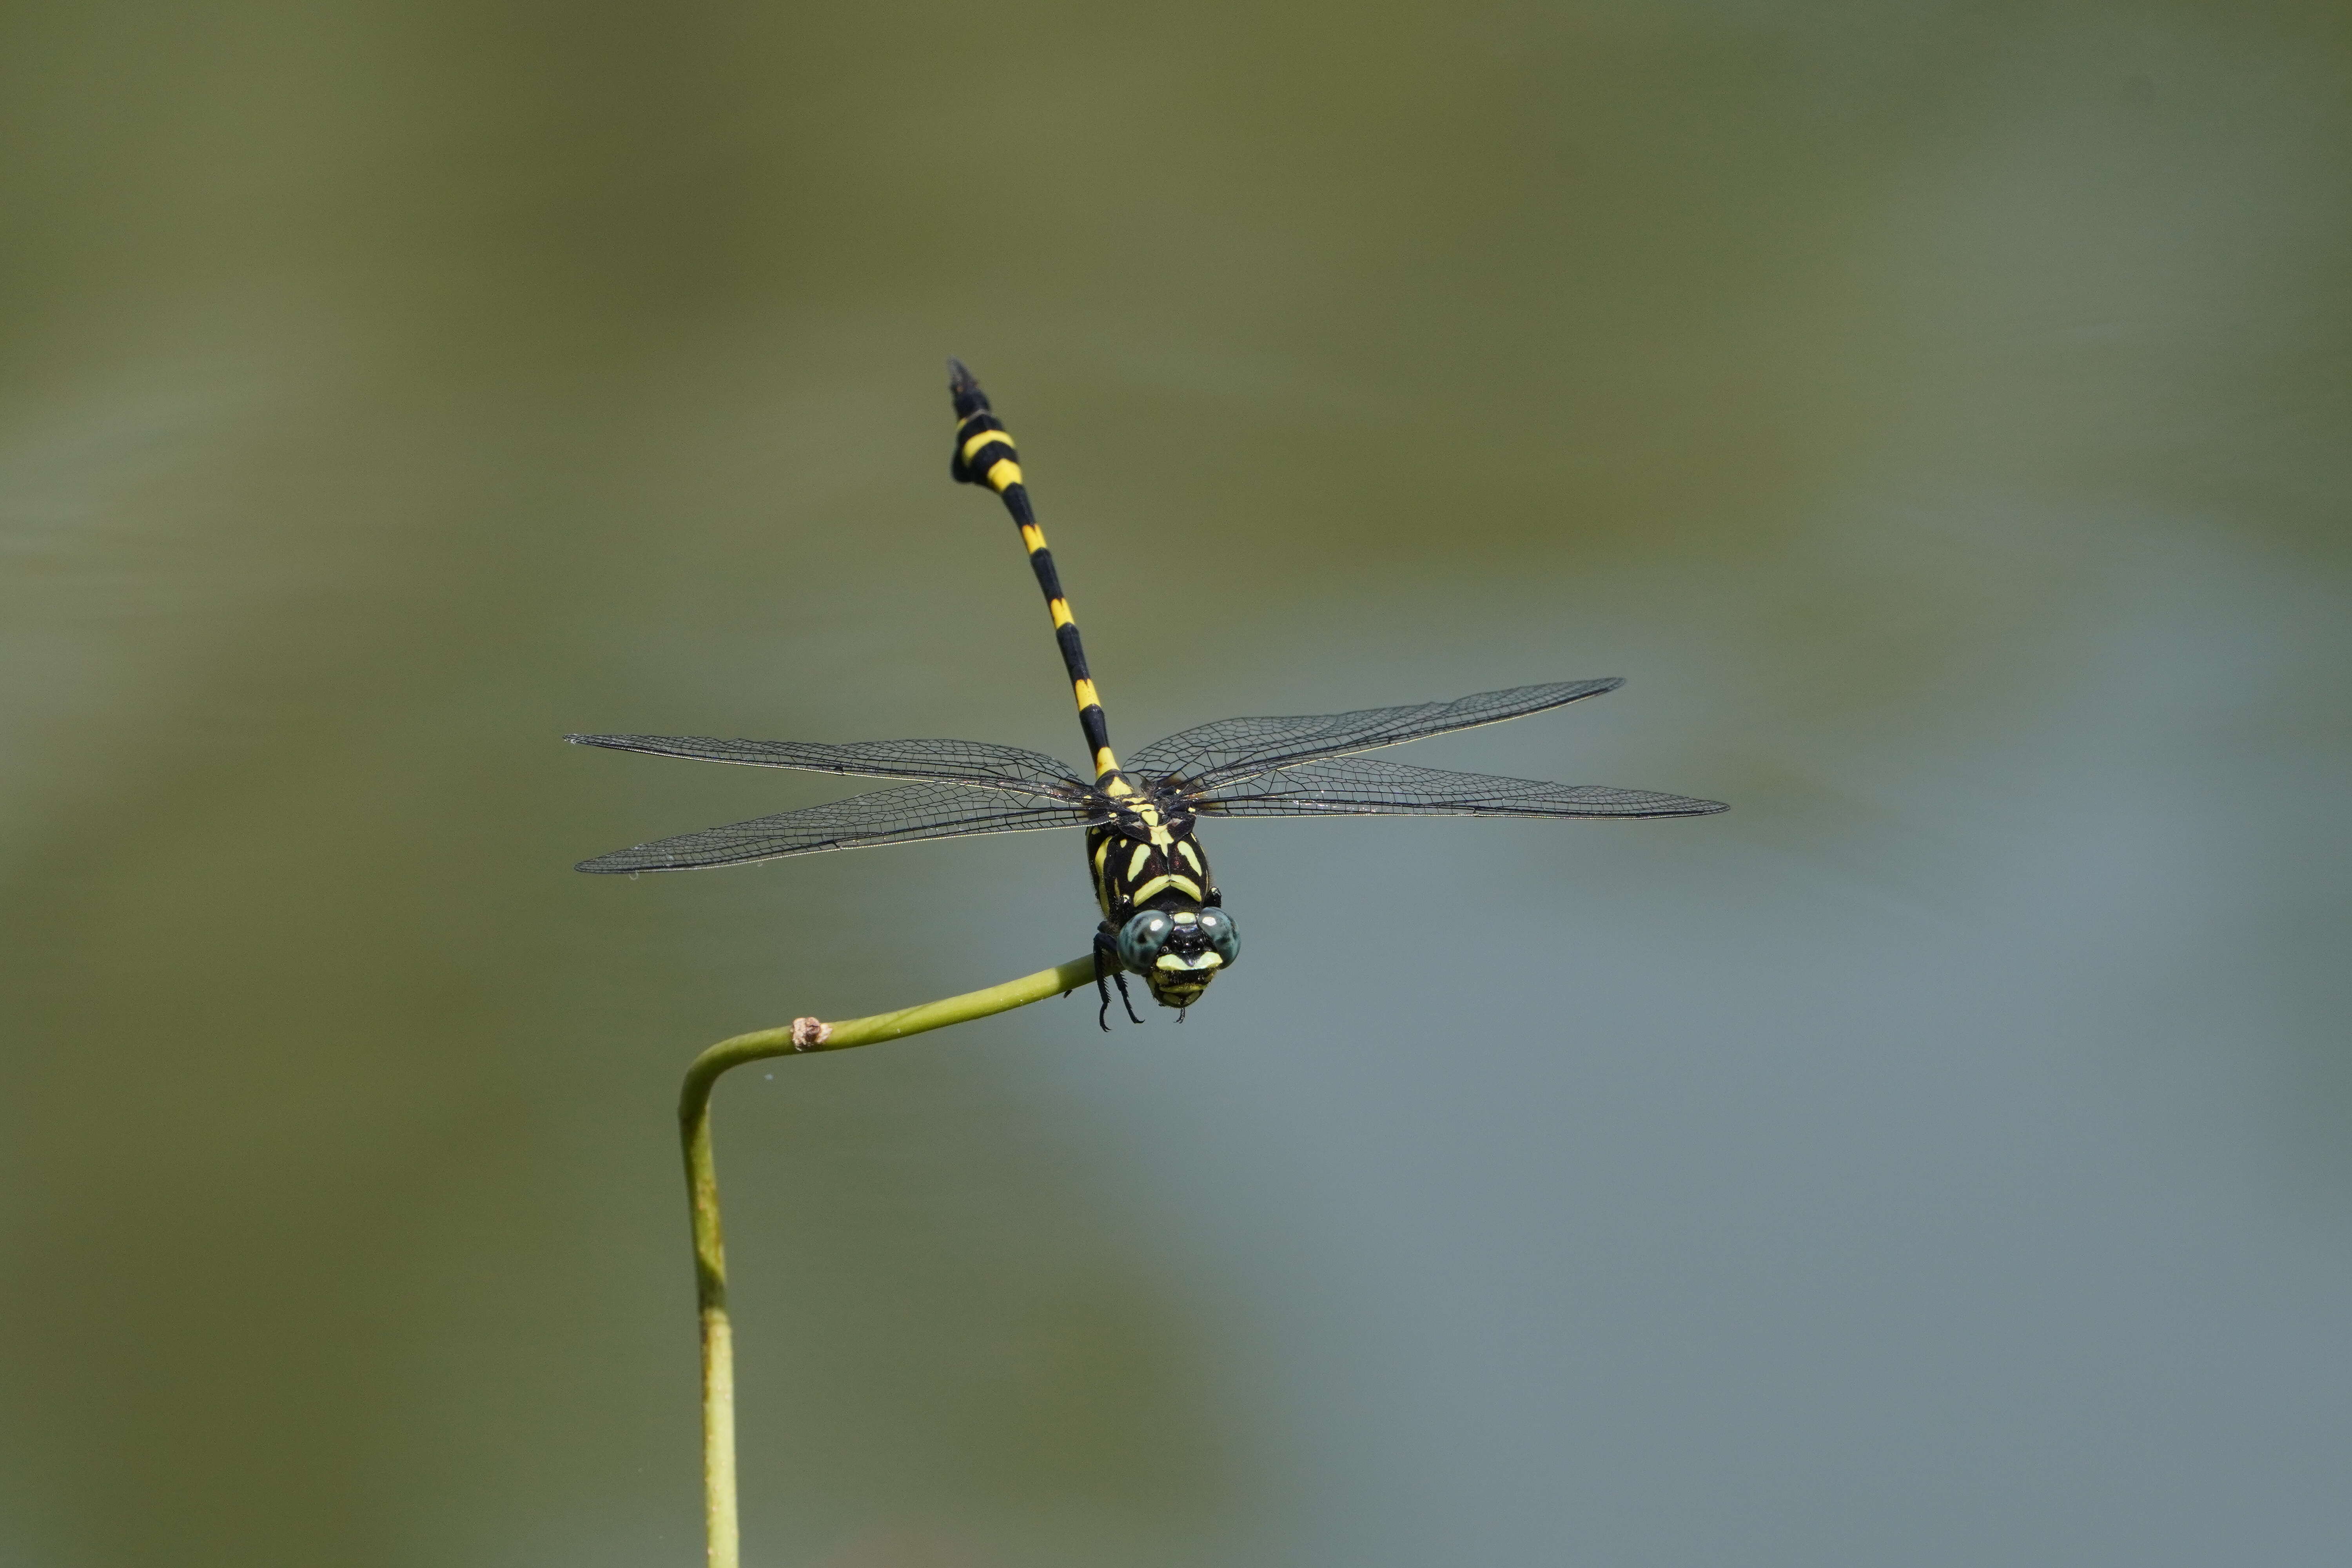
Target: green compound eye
<point>1141,938</point>
<point>1224,940</point>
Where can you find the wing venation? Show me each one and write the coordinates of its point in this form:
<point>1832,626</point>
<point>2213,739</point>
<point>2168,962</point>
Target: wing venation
<point>901,816</point>
<point>974,764</point>
<point>1369,787</point>
<point>1203,759</point>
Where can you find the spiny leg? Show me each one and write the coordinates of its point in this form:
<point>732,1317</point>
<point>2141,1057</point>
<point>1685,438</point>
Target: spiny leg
<point>1106,964</point>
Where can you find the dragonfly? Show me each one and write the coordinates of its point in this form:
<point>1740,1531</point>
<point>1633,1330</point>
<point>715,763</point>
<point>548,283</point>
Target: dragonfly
<point>1163,918</point>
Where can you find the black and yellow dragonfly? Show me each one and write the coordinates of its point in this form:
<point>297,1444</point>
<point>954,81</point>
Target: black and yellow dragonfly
<point>1163,918</point>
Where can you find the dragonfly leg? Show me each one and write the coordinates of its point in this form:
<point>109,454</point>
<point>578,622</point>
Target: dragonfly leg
<point>1106,964</point>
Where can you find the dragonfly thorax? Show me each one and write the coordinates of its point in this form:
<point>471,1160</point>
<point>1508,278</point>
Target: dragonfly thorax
<point>1152,880</point>
<point>1145,859</point>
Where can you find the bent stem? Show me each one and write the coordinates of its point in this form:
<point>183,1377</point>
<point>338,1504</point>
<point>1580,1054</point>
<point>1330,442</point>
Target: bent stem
<point>803,1036</point>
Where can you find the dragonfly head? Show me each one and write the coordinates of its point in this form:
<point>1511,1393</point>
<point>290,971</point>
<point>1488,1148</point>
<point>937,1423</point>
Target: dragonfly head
<point>1179,952</point>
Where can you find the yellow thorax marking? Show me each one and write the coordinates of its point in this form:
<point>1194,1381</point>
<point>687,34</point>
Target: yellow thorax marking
<point>1137,861</point>
<point>1191,856</point>
<point>1148,815</point>
<point>1185,884</point>
<point>982,440</point>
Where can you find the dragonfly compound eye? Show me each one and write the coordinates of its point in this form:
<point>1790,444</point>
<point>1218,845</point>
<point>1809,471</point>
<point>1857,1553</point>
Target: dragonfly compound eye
<point>1142,938</point>
<point>1224,940</point>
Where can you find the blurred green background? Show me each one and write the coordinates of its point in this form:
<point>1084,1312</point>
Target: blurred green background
<point>1936,412</point>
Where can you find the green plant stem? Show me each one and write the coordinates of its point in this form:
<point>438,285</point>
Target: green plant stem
<point>801,1037</point>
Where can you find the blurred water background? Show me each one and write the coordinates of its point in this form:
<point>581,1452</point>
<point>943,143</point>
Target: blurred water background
<point>1939,413</point>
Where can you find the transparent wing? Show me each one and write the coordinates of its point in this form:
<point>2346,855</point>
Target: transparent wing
<point>976,763</point>
<point>1368,786</point>
<point>1231,749</point>
<point>899,816</point>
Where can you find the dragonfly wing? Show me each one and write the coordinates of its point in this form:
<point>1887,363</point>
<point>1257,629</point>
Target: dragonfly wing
<point>1231,749</point>
<point>899,816</point>
<point>976,763</point>
<point>1369,786</point>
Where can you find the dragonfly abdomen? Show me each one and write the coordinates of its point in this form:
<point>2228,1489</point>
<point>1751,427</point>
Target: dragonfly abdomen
<point>985,454</point>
